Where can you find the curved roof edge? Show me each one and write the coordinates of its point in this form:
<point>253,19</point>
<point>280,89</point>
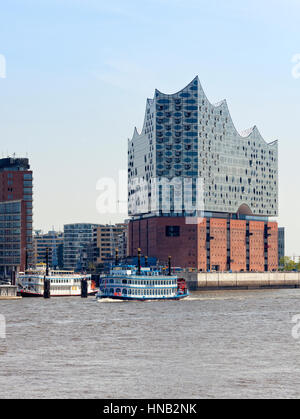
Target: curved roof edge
<point>245,134</point>
<point>176,93</point>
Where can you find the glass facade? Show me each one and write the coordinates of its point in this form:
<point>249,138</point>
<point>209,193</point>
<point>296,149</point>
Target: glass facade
<point>186,136</point>
<point>10,233</point>
<point>78,246</point>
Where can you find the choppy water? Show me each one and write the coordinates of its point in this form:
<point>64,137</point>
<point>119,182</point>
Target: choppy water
<point>213,345</point>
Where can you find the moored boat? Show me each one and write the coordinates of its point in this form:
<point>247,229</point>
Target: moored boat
<point>62,283</point>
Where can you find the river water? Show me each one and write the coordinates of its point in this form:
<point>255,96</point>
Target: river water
<point>225,344</point>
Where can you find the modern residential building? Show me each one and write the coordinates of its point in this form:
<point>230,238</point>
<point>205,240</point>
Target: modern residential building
<point>108,238</point>
<point>281,243</point>
<point>16,215</point>
<point>13,237</point>
<point>78,246</point>
<point>123,242</point>
<point>53,241</point>
<point>199,190</point>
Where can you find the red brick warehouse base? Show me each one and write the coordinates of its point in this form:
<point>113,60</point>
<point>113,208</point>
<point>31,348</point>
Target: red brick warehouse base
<point>207,244</point>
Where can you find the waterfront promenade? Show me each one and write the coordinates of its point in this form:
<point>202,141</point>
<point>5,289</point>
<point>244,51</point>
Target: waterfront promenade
<point>241,280</point>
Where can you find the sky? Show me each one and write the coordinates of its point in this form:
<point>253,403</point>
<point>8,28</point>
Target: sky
<point>78,72</point>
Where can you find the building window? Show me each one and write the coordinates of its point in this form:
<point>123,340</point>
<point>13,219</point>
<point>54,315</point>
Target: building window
<point>172,231</point>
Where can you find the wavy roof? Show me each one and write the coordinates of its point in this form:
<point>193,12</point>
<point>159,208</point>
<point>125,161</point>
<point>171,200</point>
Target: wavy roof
<point>245,134</point>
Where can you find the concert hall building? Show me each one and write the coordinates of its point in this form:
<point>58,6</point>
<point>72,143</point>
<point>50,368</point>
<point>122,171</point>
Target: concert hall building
<point>199,190</point>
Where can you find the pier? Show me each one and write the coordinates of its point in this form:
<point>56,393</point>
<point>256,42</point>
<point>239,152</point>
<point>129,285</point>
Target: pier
<point>8,292</point>
<point>241,280</point>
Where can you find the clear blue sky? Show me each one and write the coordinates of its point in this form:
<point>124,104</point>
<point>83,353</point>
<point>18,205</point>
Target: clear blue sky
<point>79,73</point>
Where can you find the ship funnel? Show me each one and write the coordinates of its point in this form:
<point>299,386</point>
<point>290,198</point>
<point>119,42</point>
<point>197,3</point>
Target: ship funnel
<point>47,261</point>
<point>139,261</point>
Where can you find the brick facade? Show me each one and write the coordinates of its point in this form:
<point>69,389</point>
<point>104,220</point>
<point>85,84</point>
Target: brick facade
<point>209,244</point>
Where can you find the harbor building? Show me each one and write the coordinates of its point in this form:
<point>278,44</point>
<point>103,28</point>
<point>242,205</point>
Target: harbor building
<point>199,190</point>
<point>108,238</point>
<point>53,241</point>
<point>78,246</point>
<point>16,202</point>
